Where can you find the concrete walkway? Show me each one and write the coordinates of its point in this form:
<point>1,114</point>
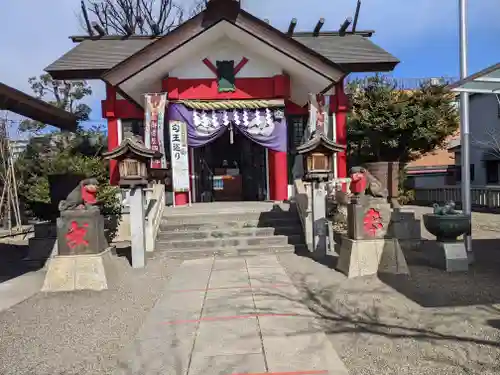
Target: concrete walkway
<point>20,288</point>
<point>230,316</point>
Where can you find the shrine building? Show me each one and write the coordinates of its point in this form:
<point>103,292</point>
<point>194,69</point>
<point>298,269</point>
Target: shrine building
<point>225,97</point>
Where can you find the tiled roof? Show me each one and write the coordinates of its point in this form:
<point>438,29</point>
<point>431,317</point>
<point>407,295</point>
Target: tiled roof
<point>438,157</point>
<point>353,52</point>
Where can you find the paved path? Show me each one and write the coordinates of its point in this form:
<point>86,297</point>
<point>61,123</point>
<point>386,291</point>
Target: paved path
<point>230,316</point>
<point>18,289</point>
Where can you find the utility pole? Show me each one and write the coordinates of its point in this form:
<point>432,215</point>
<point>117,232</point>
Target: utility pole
<point>464,126</point>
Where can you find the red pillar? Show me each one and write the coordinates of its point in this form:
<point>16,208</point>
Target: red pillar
<point>181,198</point>
<point>114,174</point>
<point>341,108</point>
<point>108,111</point>
<point>278,175</point>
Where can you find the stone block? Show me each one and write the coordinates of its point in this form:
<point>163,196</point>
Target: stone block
<point>406,228</point>
<point>368,208</point>
<point>370,257</point>
<point>45,230</point>
<point>66,273</point>
<point>80,232</point>
<point>450,256</point>
<point>41,249</point>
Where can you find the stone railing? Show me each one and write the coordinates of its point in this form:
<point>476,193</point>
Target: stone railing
<point>154,206</point>
<point>155,198</point>
<point>481,196</point>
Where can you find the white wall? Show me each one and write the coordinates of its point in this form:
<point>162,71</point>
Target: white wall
<point>225,49</point>
<point>483,117</point>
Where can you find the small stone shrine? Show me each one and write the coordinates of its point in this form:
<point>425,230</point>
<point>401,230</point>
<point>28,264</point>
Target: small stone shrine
<point>83,253</point>
<point>369,247</point>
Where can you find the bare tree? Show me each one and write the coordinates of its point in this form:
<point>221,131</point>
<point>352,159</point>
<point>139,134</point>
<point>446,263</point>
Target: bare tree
<point>489,142</point>
<point>139,17</point>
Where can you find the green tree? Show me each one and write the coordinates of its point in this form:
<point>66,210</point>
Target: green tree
<point>67,95</point>
<point>394,125</point>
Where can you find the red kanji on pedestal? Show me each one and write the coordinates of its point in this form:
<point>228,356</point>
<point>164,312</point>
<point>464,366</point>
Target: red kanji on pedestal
<point>76,235</point>
<point>372,222</point>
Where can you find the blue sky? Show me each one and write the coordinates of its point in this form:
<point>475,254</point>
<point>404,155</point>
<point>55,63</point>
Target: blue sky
<point>423,34</point>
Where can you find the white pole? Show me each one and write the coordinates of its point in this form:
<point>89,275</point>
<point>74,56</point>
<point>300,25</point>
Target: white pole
<point>464,125</point>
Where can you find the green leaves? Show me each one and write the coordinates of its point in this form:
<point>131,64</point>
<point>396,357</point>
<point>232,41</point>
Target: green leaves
<point>391,124</point>
<point>66,95</point>
<point>64,153</point>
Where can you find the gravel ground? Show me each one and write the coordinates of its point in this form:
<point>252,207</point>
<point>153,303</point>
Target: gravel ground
<point>429,323</point>
<point>80,332</point>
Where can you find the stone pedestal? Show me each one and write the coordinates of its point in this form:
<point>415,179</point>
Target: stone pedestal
<point>66,273</point>
<point>450,256</point>
<point>370,246</point>
<point>370,257</point>
<point>81,232</point>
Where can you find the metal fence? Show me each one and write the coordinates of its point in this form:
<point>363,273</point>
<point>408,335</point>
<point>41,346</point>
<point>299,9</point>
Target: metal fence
<point>481,196</point>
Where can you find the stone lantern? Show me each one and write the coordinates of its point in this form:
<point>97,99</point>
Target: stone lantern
<point>133,159</point>
<point>318,154</point>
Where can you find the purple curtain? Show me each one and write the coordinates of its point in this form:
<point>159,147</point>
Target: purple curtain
<point>264,126</point>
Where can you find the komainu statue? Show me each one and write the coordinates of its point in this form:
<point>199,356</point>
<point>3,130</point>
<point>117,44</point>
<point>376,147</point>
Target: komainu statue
<point>374,187</point>
<point>82,197</point>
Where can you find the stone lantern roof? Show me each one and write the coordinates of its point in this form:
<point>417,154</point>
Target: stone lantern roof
<point>132,146</point>
<point>317,141</point>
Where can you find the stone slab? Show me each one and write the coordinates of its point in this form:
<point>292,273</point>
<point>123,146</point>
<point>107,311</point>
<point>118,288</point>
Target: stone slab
<point>237,264</point>
<point>222,303</point>
<point>450,256</point>
<point>370,257</point>
<point>228,278</point>
<point>78,272</point>
<point>275,305</point>
<point>267,261</point>
<point>238,336</point>
<point>227,364</point>
<point>155,356</point>
<point>285,326</point>
<point>306,352</point>
<point>179,306</point>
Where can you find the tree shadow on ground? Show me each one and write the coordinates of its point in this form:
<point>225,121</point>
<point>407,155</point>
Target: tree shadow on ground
<point>365,315</point>
<point>432,287</point>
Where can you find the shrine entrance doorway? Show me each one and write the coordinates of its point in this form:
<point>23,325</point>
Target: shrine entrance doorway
<point>231,168</point>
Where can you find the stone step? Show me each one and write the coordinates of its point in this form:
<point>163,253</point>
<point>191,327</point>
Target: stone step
<point>229,223</point>
<point>233,251</point>
<point>217,217</point>
<point>217,243</point>
<point>227,233</point>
